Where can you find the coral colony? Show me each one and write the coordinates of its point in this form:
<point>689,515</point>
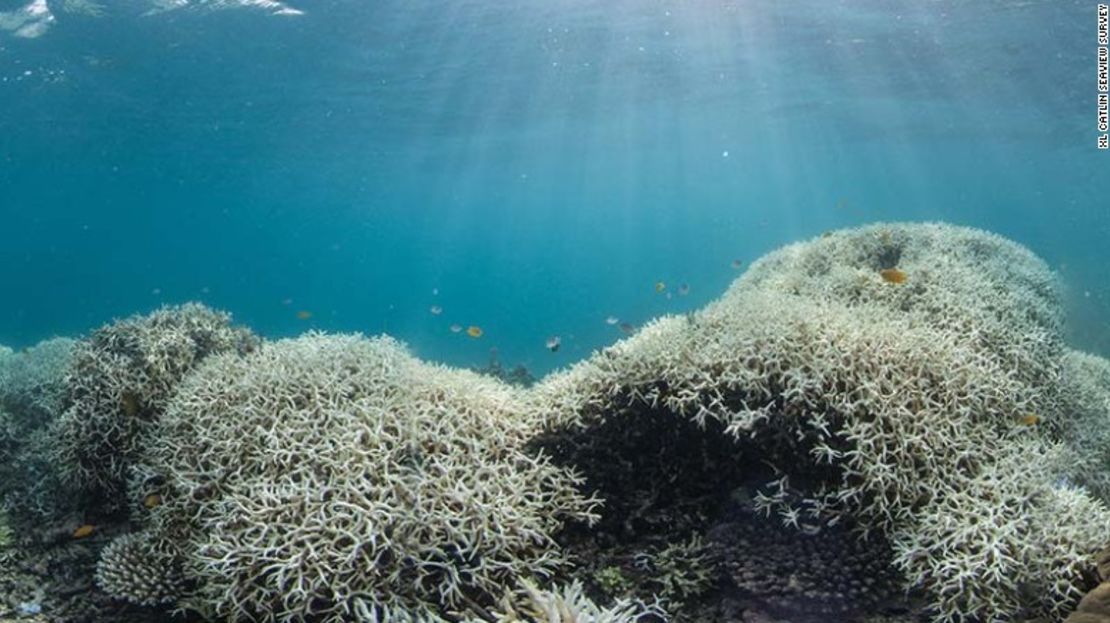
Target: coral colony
<point>880,421</point>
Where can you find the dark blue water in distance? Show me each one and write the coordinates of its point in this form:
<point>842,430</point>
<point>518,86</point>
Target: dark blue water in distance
<point>540,164</point>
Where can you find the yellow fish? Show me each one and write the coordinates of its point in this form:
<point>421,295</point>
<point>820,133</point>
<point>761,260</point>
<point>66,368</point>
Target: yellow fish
<point>474,331</point>
<point>660,286</point>
<point>84,531</point>
<point>152,500</point>
<point>1030,419</point>
<point>893,275</point>
<point>304,315</point>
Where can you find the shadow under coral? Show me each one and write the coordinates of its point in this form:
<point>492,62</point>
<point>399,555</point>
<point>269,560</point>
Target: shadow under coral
<point>679,524</point>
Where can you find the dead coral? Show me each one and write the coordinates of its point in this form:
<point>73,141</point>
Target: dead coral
<point>32,382</point>
<point>569,604</point>
<point>883,404</point>
<point>119,382</point>
<point>141,569</point>
<point>339,479</point>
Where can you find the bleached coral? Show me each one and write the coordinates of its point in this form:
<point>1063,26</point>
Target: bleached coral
<point>141,569</point>
<point>1085,399</point>
<point>340,479</point>
<point>119,381</point>
<point>32,395</point>
<point>884,402</point>
<point>32,382</point>
<point>569,604</point>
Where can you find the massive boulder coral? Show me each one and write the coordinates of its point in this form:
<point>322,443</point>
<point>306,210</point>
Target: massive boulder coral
<point>337,478</point>
<point>903,378</point>
<point>118,383</point>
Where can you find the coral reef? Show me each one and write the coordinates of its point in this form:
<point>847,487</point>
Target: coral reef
<point>1085,398</point>
<point>118,384</point>
<point>569,604</point>
<point>32,394</point>
<point>141,569</point>
<point>804,576</point>
<point>889,406</point>
<point>340,479</point>
<point>32,382</point>
<point>518,375</point>
<point>906,408</point>
<point>1095,605</point>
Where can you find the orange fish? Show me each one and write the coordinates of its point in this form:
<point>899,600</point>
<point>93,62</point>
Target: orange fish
<point>304,315</point>
<point>893,275</point>
<point>1030,419</point>
<point>84,531</point>
<point>152,500</point>
<point>474,331</point>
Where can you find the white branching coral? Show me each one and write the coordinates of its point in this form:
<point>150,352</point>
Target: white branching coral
<point>118,382</point>
<point>142,569</point>
<point>1085,398</point>
<point>32,382</point>
<point>569,604</point>
<point>337,478</point>
<point>902,404</point>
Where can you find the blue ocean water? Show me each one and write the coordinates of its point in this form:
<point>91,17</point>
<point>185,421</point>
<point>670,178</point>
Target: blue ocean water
<point>529,167</point>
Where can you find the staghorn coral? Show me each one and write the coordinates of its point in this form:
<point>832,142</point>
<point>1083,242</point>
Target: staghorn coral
<point>1085,398</point>
<point>338,478</point>
<point>32,382</point>
<point>119,382</point>
<point>892,404</point>
<point>569,604</point>
<point>680,571</point>
<point>32,391</point>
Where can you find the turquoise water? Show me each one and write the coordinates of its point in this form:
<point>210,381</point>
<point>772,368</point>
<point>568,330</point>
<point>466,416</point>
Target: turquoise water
<point>540,165</point>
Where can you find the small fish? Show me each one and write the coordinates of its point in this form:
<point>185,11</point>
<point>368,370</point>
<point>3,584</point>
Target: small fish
<point>736,264</point>
<point>456,328</point>
<point>152,500</point>
<point>553,343</point>
<point>841,204</point>
<point>156,291</point>
<point>435,310</point>
<point>660,286</point>
<point>84,531</point>
<point>669,296</point>
<point>1030,419</point>
<point>627,328</point>
<point>474,331</point>
<point>435,291</point>
<point>612,321</point>
<point>286,302</point>
<point>893,275</point>
<point>304,315</point>
<point>684,289</point>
